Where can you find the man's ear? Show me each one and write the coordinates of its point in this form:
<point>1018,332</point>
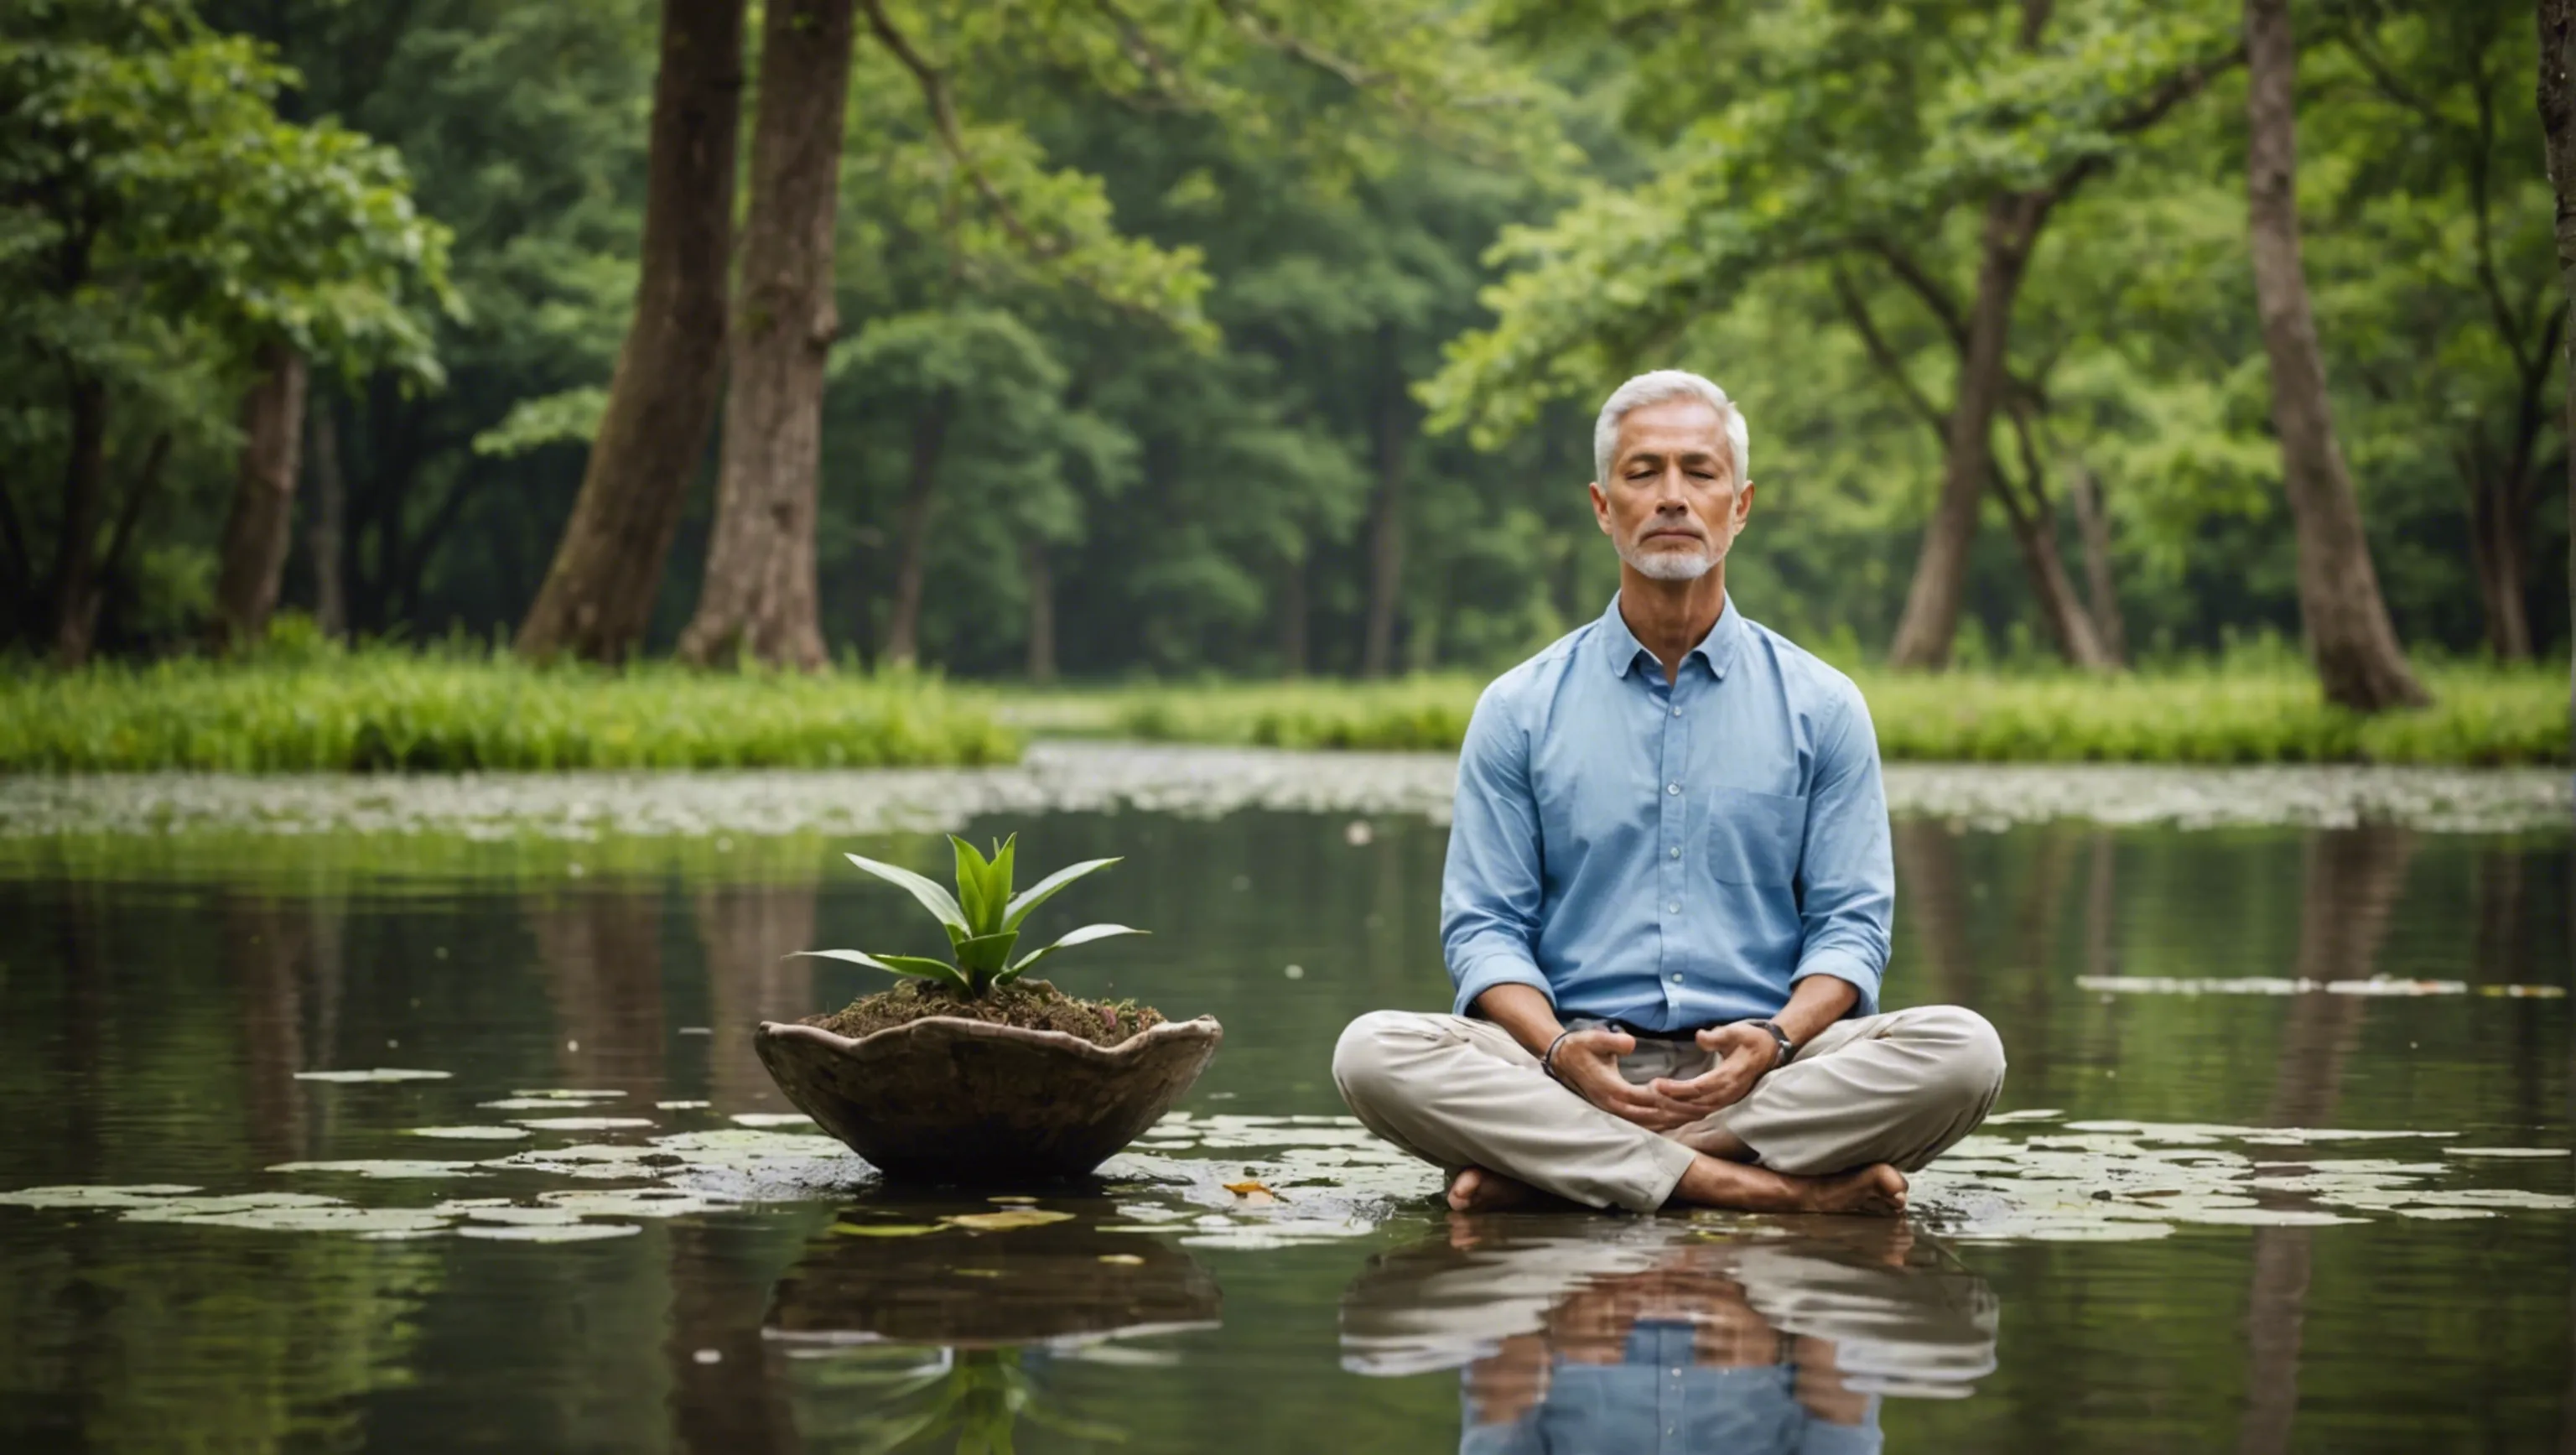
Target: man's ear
<point>1743,504</point>
<point>1600,506</point>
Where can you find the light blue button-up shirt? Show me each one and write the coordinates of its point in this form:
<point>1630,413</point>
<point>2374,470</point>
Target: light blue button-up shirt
<point>1668,854</point>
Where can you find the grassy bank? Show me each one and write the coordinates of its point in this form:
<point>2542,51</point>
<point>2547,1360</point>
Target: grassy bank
<point>383,709</point>
<point>2235,713</point>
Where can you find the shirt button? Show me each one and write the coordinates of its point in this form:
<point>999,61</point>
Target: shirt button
<point>1677,979</point>
<point>1675,907</point>
<point>1677,712</point>
<point>1673,788</point>
<point>1677,851</point>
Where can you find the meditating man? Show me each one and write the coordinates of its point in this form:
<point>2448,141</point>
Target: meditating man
<point>1667,899</point>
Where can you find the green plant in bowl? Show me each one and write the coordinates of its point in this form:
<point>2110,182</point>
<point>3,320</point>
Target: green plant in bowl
<point>970,1070</point>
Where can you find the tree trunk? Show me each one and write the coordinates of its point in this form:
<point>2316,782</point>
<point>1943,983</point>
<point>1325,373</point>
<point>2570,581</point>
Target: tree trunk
<point>84,502</point>
<point>2093,527</point>
<point>2358,658</point>
<point>2069,624</point>
<point>912,532</point>
<point>1932,602</point>
<point>1386,522</point>
<point>1041,582</point>
<point>328,530</point>
<point>262,523</point>
<point>2496,559</point>
<point>1292,618</point>
<point>598,594</point>
<point>2558,131</point>
<point>758,598</point>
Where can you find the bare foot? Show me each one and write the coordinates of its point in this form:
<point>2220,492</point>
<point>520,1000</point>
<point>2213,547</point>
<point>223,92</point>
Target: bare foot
<point>1874,1191</point>
<point>1477,1190</point>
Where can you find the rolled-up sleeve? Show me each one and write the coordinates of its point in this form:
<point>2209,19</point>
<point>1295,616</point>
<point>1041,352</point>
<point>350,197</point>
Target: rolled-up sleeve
<point>1490,891</point>
<point>1847,878</point>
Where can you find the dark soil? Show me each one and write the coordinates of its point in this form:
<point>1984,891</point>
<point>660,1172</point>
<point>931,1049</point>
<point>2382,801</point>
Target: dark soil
<point>1033,1004</point>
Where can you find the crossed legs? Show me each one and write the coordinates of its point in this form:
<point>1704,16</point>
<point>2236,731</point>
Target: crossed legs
<point>1832,1131</point>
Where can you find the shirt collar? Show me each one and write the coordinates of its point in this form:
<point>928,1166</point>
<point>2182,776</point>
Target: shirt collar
<point>1717,649</point>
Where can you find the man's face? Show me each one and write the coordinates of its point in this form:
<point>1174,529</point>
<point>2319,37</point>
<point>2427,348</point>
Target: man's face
<point>1672,504</point>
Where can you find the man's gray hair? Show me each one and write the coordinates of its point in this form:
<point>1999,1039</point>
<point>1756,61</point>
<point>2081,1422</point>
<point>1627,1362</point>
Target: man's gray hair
<point>1655,388</point>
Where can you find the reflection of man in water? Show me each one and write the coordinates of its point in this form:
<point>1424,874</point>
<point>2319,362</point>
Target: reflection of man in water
<point>1667,901</point>
<point>1572,1345</point>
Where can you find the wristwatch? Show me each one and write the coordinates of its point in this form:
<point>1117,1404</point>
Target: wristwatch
<point>1788,1047</point>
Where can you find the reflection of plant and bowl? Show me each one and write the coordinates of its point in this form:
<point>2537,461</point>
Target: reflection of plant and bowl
<point>904,1328</point>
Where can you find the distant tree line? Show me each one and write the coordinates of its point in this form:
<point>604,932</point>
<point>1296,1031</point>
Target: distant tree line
<point>1239,336</point>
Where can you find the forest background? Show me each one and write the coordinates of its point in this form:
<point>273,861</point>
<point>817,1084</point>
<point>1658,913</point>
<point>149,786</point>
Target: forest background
<point>1183,338</point>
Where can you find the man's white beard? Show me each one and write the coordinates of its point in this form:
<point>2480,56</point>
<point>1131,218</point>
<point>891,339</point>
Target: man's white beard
<point>1670,565</point>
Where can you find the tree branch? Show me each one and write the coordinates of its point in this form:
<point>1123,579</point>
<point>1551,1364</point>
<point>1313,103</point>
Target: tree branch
<point>146,480</point>
<point>1935,297</point>
<point>1856,309</point>
<point>2153,107</point>
<point>943,119</point>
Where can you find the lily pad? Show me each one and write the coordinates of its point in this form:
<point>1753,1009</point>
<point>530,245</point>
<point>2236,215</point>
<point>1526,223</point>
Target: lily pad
<point>472,1134</point>
<point>770,1119</point>
<point>994,1222</point>
<point>73,1195</point>
<point>680,1105</point>
<point>2504,1151</point>
<point>563,1233</point>
<point>584,1124</point>
<point>392,1167</point>
<point>569,1093</point>
<point>380,1073</point>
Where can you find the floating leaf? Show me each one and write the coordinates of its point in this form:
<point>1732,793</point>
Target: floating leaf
<point>568,1233</point>
<point>680,1105</point>
<point>472,1134</point>
<point>381,1073</point>
<point>884,1230</point>
<point>1010,1199</point>
<point>770,1119</point>
<point>994,1222</point>
<point>567,1093</point>
<point>583,1124</point>
<point>391,1167</point>
<point>2504,1151</point>
<point>1247,1189</point>
<point>73,1195</point>
<point>1124,1260</point>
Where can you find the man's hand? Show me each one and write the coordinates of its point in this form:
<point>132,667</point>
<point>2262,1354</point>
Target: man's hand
<point>1745,1054</point>
<point>1587,1061</point>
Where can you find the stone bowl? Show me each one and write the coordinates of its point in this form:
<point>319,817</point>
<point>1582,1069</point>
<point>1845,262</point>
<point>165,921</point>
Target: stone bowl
<point>947,1099</point>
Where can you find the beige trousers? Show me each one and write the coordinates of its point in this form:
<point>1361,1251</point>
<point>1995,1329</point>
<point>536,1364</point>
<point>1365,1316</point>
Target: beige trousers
<point>1896,1088</point>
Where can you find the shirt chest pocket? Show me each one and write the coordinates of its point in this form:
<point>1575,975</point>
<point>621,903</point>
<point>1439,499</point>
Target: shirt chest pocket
<point>1754,838</point>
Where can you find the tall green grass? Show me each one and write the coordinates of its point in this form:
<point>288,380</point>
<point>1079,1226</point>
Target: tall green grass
<point>2233,712</point>
<point>386,709</point>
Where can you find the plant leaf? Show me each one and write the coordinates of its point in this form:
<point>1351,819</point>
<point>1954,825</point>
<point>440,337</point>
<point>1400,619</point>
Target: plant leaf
<point>912,965</point>
<point>1044,890</point>
<point>974,888</point>
<point>1005,856</point>
<point>986,954</point>
<point>1082,936</point>
<point>933,898</point>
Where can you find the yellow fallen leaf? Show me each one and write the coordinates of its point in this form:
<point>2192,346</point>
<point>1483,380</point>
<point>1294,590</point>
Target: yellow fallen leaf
<point>884,1230</point>
<point>1247,1189</point>
<point>1126,1259</point>
<point>977,1272</point>
<point>995,1222</point>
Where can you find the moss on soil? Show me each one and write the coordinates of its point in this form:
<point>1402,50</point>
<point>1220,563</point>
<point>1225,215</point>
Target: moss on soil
<point>1032,1004</point>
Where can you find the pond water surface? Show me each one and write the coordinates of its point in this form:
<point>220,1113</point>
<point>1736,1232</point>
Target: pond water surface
<point>600,1228</point>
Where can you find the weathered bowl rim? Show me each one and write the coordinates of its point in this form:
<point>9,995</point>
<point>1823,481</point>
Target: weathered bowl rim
<point>1195,1028</point>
